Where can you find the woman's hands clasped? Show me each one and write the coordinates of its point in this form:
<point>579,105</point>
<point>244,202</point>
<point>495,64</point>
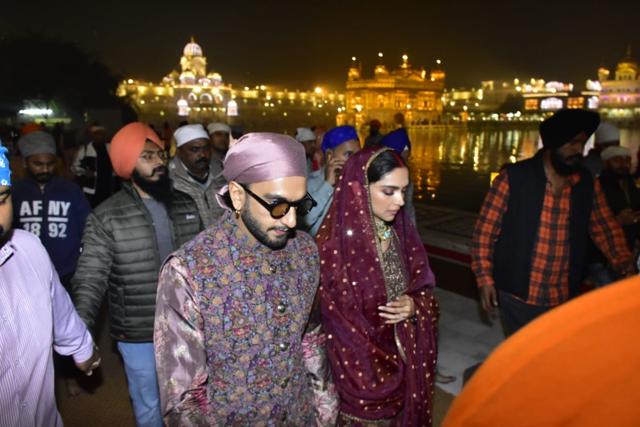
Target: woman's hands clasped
<point>396,311</point>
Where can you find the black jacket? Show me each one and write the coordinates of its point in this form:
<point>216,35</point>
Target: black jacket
<point>120,257</point>
<point>513,251</point>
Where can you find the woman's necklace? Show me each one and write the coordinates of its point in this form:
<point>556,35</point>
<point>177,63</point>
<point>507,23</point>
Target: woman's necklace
<point>383,230</point>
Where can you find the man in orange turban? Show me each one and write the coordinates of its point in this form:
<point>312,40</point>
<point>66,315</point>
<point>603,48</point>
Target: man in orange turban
<point>125,241</point>
<point>29,128</point>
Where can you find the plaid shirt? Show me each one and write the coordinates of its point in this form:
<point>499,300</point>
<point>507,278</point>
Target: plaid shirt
<point>549,279</point>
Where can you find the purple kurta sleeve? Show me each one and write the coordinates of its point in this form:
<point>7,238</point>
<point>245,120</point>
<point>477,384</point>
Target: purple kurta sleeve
<point>70,334</point>
<point>181,360</point>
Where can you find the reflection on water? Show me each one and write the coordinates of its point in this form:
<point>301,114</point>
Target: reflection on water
<point>451,167</point>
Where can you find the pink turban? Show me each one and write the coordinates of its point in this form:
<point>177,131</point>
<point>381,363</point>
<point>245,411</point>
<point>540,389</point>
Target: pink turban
<point>263,156</point>
<point>126,146</point>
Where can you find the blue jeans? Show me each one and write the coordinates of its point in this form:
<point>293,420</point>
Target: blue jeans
<point>140,367</point>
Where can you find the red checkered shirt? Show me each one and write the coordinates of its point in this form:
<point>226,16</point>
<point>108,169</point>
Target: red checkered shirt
<point>549,279</point>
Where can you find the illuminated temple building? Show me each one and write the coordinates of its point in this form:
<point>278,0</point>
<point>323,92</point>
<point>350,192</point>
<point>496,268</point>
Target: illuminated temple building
<point>195,94</point>
<point>407,90</point>
<point>531,99</point>
<point>620,96</point>
<point>550,96</point>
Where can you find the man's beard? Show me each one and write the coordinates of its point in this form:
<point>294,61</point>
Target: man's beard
<point>261,235</point>
<point>565,166</point>
<point>5,235</point>
<point>221,147</point>
<point>203,163</point>
<point>40,178</point>
<point>160,190</point>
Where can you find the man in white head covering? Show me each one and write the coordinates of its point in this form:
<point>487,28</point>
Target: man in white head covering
<point>607,135</point>
<point>306,137</point>
<point>623,199</point>
<point>193,172</point>
<point>220,137</point>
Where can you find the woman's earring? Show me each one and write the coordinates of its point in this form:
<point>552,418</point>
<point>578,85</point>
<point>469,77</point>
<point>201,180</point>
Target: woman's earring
<point>237,213</point>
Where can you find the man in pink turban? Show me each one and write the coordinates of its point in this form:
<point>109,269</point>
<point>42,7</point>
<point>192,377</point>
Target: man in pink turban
<point>125,240</point>
<point>233,303</point>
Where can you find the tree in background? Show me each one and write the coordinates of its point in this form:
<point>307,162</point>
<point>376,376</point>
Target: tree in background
<point>58,73</point>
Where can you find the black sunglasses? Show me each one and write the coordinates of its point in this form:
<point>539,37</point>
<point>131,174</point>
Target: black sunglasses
<point>280,208</point>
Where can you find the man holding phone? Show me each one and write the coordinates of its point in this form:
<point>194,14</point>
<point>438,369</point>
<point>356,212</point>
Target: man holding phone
<point>338,145</point>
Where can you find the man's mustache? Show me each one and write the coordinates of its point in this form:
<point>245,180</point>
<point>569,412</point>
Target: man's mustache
<point>287,229</point>
<point>159,169</point>
<point>574,158</point>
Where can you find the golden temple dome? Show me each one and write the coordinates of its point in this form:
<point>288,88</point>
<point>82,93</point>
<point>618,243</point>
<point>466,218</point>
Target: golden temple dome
<point>627,68</point>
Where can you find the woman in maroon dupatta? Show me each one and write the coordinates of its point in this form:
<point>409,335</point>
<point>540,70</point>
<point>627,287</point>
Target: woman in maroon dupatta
<point>378,309</point>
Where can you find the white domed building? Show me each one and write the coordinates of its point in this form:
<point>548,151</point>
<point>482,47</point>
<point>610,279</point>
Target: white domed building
<point>192,49</point>
<point>193,61</point>
<point>198,95</point>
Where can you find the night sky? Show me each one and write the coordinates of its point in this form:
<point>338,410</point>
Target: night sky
<point>304,43</point>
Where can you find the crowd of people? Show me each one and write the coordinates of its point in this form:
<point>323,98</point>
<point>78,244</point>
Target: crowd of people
<point>273,280</point>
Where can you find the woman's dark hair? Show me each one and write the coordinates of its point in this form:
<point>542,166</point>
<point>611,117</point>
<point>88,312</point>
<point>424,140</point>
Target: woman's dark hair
<point>384,163</point>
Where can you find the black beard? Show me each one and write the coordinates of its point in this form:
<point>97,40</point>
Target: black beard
<point>40,178</point>
<point>561,166</point>
<point>5,235</point>
<point>160,190</point>
<point>204,163</point>
<point>262,236</point>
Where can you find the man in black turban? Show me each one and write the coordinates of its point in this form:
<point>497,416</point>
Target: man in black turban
<point>564,135</point>
<point>530,242</point>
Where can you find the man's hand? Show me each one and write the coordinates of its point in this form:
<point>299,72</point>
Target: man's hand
<point>488,298</point>
<point>90,364</point>
<point>333,170</point>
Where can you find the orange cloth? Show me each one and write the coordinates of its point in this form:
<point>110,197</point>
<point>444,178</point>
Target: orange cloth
<point>30,127</point>
<point>126,146</point>
<point>578,365</point>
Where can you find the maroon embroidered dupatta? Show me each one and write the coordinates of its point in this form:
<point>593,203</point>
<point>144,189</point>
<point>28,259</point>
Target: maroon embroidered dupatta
<point>373,380</point>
